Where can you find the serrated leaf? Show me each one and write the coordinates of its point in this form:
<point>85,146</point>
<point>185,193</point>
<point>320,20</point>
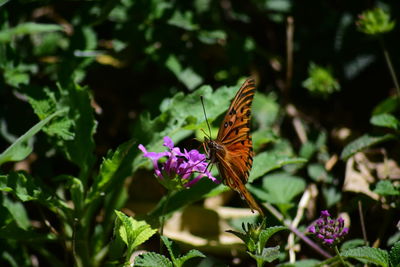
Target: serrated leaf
<point>267,255</point>
<point>386,188</point>
<point>152,259</point>
<point>80,149</point>
<point>394,255</point>
<point>386,120</point>
<point>266,162</point>
<point>352,244</point>
<point>44,103</point>
<point>363,142</point>
<point>133,232</point>
<point>368,255</point>
<point>266,234</point>
<point>22,147</point>
<point>171,247</point>
<point>27,28</point>
<point>194,253</point>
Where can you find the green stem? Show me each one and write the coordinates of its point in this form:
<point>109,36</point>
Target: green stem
<point>340,256</point>
<point>390,66</point>
<point>163,215</point>
<point>260,262</point>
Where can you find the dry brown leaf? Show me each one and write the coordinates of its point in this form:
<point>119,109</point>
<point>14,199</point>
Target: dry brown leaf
<point>358,176</point>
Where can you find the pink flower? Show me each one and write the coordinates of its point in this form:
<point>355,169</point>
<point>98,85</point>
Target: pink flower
<point>178,165</point>
<point>328,230</point>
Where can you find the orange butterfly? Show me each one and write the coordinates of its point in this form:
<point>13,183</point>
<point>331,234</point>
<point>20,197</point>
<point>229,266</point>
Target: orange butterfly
<point>232,151</point>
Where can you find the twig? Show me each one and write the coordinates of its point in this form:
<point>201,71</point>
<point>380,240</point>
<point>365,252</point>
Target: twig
<point>308,241</point>
<point>364,232</point>
<point>390,66</point>
<point>289,52</point>
<point>300,212</point>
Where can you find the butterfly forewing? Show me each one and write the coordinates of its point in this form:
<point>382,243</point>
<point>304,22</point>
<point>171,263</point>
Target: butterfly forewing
<point>234,131</point>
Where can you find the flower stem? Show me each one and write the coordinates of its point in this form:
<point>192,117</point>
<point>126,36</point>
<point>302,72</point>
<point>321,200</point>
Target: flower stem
<point>280,217</point>
<point>340,257</point>
<point>390,66</point>
<point>163,215</point>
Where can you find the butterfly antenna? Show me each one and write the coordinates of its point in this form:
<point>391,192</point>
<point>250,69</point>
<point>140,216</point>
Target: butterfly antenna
<point>205,115</point>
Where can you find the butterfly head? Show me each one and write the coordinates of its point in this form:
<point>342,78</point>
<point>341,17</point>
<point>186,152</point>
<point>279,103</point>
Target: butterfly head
<point>212,148</point>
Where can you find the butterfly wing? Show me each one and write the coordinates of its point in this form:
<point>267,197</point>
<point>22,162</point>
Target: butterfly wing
<point>236,160</point>
<point>232,173</point>
<point>234,132</point>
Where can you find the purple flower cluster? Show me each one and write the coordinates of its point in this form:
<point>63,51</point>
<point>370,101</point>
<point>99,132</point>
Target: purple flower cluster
<point>179,166</point>
<point>328,230</point>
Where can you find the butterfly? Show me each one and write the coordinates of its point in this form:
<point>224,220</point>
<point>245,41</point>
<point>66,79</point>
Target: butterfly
<point>232,151</point>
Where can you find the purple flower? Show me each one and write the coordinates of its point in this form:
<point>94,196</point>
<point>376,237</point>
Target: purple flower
<point>178,166</point>
<point>328,230</point>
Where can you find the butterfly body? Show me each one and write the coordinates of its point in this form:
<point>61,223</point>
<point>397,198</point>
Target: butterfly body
<point>232,150</point>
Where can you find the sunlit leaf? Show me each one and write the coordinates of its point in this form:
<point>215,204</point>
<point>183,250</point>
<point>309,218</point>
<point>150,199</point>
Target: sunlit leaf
<point>368,255</point>
<point>363,142</point>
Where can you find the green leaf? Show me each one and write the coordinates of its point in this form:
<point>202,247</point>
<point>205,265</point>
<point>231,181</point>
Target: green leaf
<point>26,188</point>
<point>27,28</point>
<point>386,188</point>
<point>267,255</point>
<point>281,188</point>
<point>301,263</point>
<point>362,143</point>
<point>266,162</point>
<point>152,259</point>
<point>22,147</point>
<point>386,120</point>
<point>211,37</point>
<point>352,244</point>
<point>172,248</point>
<point>133,232</point>
<point>44,103</point>
<point>266,234</point>
<point>183,20</point>
<point>331,195</point>
<point>389,105</point>
<point>194,253</point>
<point>187,76</point>
<point>77,193</point>
<point>18,212</point>
<point>265,109</point>
<point>80,149</point>
<point>320,81</point>
<point>318,173</point>
<point>375,22</point>
<point>368,255</point>
<point>394,255</point>
<point>180,116</point>
<point>113,168</point>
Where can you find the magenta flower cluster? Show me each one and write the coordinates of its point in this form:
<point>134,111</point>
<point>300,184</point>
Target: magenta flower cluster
<point>328,230</point>
<point>178,165</point>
